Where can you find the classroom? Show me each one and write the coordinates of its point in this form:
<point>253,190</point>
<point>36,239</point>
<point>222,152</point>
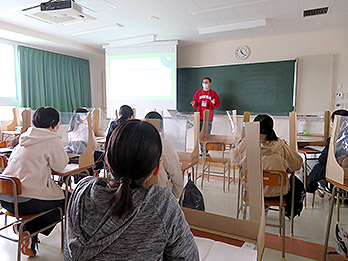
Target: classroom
<point>207,75</point>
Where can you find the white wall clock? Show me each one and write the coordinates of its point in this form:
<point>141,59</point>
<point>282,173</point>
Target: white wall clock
<point>242,52</point>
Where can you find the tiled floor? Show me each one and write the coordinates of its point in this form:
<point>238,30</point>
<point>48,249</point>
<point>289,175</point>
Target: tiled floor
<point>305,245</point>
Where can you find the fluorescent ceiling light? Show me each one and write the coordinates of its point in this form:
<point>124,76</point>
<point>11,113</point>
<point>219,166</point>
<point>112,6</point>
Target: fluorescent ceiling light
<point>232,27</point>
<point>117,25</point>
<point>132,41</point>
<point>223,6</point>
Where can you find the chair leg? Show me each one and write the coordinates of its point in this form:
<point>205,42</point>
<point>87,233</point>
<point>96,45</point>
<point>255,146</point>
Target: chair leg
<point>229,176</point>
<point>5,220</point>
<point>224,179</point>
<point>338,205</point>
<point>208,171</point>
<point>292,205</point>
<point>202,176</point>
<point>238,197</point>
<point>313,200</point>
<point>283,233</point>
<point>62,234</point>
<point>234,174</point>
<point>280,220</point>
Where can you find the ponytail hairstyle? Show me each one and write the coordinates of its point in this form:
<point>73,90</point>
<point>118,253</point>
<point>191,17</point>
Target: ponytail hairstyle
<point>133,152</point>
<point>125,113</point>
<point>266,126</point>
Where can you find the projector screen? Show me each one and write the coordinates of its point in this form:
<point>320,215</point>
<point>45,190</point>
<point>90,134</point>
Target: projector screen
<point>142,77</point>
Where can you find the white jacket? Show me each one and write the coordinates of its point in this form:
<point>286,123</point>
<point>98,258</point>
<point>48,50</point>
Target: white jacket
<point>39,152</point>
<point>170,175</point>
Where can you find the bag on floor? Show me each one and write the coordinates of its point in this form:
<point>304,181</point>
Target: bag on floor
<point>300,194</point>
<point>192,197</point>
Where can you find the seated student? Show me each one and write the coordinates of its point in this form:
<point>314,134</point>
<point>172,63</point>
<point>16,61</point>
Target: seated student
<point>170,173</point>
<point>119,219</point>
<point>78,140</point>
<point>317,174</point>
<point>78,132</point>
<point>275,154</point>
<point>126,113</point>
<point>39,153</point>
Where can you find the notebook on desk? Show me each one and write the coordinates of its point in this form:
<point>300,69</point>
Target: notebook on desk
<point>6,150</point>
<point>210,250</point>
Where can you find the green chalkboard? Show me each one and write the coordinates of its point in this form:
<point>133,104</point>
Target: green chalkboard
<point>258,88</point>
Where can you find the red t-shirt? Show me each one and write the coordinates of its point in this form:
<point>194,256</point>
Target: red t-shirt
<point>203,102</point>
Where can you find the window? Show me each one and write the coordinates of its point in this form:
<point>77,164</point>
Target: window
<point>8,88</point>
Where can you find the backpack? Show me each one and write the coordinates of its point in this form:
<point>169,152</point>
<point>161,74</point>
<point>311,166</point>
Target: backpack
<point>299,197</point>
<point>341,241</point>
<point>191,196</point>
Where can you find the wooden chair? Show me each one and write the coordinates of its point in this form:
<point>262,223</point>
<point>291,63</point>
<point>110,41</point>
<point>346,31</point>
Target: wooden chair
<point>12,186</point>
<point>277,178</point>
<point>273,178</point>
<point>207,161</point>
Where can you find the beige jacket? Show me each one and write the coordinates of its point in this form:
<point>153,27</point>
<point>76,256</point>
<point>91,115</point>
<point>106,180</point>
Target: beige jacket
<point>170,174</point>
<point>39,152</point>
<point>275,155</point>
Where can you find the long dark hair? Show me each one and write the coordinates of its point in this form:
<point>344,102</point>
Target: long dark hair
<point>125,113</point>
<point>266,126</point>
<point>133,152</point>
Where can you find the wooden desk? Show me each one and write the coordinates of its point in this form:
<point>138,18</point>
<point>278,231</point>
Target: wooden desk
<point>9,133</point>
<point>305,152</point>
<point>332,203</point>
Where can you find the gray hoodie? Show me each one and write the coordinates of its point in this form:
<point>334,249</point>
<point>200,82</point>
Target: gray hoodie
<point>155,230</point>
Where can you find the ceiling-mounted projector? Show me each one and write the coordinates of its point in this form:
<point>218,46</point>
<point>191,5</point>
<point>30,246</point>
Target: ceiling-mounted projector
<point>65,8</point>
<point>62,12</point>
<point>57,5</point>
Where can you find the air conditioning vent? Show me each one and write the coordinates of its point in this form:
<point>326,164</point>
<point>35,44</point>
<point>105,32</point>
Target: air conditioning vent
<point>317,11</point>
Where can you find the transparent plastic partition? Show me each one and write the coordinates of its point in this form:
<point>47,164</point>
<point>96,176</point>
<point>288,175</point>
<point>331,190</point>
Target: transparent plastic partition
<point>175,130</point>
<point>341,152</point>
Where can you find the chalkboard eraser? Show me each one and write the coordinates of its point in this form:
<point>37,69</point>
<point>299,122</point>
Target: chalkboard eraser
<point>307,133</point>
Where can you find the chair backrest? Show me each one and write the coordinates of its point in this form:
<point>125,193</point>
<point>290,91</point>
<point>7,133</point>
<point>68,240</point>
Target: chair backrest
<point>213,145</point>
<point>26,120</point>
<point>276,178</point>
<point>15,121</point>
<point>10,185</point>
<point>3,162</point>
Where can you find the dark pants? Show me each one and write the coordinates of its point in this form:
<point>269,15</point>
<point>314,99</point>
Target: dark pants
<point>210,125</point>
<point>35,206</point>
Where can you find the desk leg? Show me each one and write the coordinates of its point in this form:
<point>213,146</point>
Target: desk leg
<point>328,226</point>
<point>292,205</point>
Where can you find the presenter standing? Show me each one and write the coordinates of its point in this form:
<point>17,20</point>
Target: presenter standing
<point>206,99</point>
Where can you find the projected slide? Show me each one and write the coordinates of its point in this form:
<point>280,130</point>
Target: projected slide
<point>142,81</point>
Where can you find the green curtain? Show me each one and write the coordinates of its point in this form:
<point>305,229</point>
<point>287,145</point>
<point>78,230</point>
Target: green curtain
<point>51,79</point>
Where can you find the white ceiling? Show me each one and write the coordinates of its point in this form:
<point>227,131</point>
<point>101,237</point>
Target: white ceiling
<point>178,19</point>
